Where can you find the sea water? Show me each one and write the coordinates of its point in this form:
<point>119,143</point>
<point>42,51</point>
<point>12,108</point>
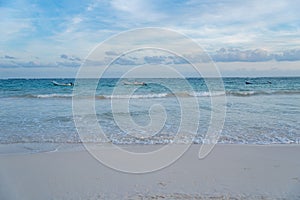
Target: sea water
<point>35,111</point>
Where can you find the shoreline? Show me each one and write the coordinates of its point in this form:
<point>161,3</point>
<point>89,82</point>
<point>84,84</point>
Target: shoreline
<point>8,149</point>
<point>229,171</point>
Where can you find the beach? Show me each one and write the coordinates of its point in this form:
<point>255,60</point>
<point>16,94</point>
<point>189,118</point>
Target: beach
<point>230,171</point>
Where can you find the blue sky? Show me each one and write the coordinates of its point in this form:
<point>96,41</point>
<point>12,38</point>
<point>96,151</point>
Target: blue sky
<point>244,38</point>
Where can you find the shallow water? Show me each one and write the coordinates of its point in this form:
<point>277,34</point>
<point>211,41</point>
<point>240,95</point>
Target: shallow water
<point>35,111</point>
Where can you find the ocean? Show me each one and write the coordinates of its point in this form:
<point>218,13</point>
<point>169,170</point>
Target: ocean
<point>35,111</point>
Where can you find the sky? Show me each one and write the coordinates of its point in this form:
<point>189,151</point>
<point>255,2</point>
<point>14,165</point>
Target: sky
<point>244,38</point>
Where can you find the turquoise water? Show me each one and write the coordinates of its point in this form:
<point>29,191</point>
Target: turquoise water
<point>267,111</point>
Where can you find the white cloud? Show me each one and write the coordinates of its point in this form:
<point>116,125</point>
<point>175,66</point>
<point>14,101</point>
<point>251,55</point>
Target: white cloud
<point>243,24</point>
<point>137,10</point>
<point>11,27</point>
<point>76,20</point>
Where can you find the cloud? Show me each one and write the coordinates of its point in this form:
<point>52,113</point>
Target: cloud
<point>93,63</point>
<point>67,64</point>
<point>64,56</point>
<point>256,55</point>
<point>137,10</point>
<point>154,59</point>
<point>13,27</point>
<point>22,64</point>
<point>111,53</point>
<point>68,61</point>
<point>236,55</point>
<point>125,61</point>
<point>223,55</point>
<point>71,58</point>
<point>290,55</point>
<point>167,60</point>
<point>11,62</point>
<point>9,57</point>
<point>76,20</point>
<point>214,24</point>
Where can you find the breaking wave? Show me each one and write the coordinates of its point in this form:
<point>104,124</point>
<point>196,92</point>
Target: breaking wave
<point>165,95</point>
<point>43,96</point>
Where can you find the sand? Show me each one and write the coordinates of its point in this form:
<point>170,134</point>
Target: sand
<point>228,172</point>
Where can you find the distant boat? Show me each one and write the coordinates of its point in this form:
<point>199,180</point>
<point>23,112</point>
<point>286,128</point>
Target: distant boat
<point>248,82</point>
<point>62,84</point>
<point>134,83</point>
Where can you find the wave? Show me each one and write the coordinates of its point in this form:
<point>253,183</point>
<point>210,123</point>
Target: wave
<point>53,96</point>
<point>207,94</point>
<point>237,93</point>
<point>253,93</point>
<point>245,93</point>
<point>68,96</point>
<point>134,96</point>
<point>161,95</point>
<point>45,96</point>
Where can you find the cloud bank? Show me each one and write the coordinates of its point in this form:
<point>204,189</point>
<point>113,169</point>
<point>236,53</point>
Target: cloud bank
<point>221,55</point>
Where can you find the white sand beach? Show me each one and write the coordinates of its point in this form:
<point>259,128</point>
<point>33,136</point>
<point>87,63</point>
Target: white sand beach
<point>228,172</point>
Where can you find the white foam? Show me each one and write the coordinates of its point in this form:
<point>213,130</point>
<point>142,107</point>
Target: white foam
<point>136,96</point>
<point>53,95</point>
